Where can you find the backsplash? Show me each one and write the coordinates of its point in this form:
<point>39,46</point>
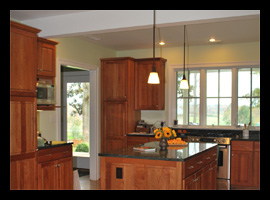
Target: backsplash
<point>205,131</point>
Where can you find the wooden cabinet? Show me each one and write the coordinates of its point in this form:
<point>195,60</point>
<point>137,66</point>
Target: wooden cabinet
<point>149,96</point>
<point>55,168</point>
<point>135,173</point>
<point>23,136</point>
<point>23,59</point>
<point>46,57</point>
<point>23,106</point>
<point>245,164</point>
<point>118,116</point>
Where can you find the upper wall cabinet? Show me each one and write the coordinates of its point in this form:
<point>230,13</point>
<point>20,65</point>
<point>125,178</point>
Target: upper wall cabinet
<point>149,96</point>
<point>46,57</point>
<point>23,59</point>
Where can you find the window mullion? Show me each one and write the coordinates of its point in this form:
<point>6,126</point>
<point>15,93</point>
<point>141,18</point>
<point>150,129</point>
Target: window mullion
<point>203,97</point>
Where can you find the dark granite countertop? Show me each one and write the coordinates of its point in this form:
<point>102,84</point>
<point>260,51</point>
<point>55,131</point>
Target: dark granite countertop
<point>47,146</point>
<point>181,154</point>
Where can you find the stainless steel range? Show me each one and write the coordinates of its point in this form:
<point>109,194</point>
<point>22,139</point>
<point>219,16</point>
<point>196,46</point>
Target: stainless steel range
<point>224,155</point>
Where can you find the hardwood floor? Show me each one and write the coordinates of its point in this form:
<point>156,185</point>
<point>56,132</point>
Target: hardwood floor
<point>87,184</point>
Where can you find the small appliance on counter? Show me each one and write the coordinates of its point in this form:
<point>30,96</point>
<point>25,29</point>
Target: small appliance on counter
<point>143,127</point>
<point>40,140</point>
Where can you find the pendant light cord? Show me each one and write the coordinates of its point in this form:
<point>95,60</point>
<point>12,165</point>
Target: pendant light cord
<point>184,49</point>
<point>154,39</point>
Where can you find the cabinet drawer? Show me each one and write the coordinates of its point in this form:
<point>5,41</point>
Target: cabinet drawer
<point>210,156</point>
<point>242,145</point>
<point>193,165</point>
<point>55,153</point>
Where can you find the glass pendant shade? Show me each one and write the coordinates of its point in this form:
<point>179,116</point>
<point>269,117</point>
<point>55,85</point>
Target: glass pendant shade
<point>153,78</point>
<point>184,84</point>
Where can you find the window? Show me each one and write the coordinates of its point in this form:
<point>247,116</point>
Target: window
<point>218,97</point>
<point>225,96</point>
<point>188,101</point>
<point>249,96</point>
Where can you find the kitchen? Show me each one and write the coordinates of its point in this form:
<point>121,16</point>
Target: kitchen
<point>75,50</point>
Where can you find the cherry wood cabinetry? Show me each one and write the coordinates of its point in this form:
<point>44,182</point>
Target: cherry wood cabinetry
<point>198,172</point>
<point>149,96</point>
<point>23,75</point>
<point>55,168</point>
<point>46,57</point>
<point>23,59</point>
<point>118,116</point>
<point>245,164</point>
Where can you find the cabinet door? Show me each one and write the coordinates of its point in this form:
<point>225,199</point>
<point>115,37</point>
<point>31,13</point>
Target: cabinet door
<point>47,175</point>
<point>23,135</point>
<point>23,62</point>
<point>149,96</point>
<point>114,125</point>
<point>46,59</point>
<point>23,172</point>
<point>114,79</point>
<point>256,164</point>
<point>241,168</point>
<point>65,174</point>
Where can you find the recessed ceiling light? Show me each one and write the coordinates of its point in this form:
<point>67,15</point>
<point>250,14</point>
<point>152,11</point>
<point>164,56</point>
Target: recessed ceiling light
<point>213,40</point>
<point>162,43</point>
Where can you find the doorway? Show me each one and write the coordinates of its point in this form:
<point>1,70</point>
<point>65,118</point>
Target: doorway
<point>76,113</point>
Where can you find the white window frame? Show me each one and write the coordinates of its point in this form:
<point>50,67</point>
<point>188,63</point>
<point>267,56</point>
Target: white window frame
<point>203,67</point>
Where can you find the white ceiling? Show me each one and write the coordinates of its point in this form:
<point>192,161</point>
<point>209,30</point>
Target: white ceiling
<point>234,31</point>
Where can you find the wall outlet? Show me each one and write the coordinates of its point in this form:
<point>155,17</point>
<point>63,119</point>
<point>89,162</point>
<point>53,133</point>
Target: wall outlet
<point>175,122</point>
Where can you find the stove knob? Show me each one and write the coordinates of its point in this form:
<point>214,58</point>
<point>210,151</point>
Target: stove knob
<point>215,140</point>
<point>224,140</point>
<point>197,140</point>
<point>192,139</point>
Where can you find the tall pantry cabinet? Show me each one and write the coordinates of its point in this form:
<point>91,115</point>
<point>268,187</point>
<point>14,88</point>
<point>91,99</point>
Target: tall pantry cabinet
<point>118,114</point>
<point>23,106</point>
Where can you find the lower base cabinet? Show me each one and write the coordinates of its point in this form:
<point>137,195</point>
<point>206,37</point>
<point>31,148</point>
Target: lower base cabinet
<point>55,169</point>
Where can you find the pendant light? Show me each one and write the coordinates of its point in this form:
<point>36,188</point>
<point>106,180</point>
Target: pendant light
<point>184,83</point>
<point>153,76</point>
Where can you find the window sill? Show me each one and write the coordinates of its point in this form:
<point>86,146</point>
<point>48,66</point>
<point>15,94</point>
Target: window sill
<point>81,154</point>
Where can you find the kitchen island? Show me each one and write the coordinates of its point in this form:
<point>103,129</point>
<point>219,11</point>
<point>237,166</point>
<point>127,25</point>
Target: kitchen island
<point>190,167</point>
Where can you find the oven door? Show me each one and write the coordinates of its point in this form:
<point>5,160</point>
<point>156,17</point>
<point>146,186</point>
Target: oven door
<point>224,161</point>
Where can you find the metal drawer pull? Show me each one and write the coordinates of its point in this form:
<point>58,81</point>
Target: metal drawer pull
<point>211,168</point>
<point>200,162</point>
<point>190,167</point>
<point>207,158</point>
<point>58,165</point>
<point>196,179</point>
<point>214,154</point>
<point>65,152</point>
<point>48,155</point>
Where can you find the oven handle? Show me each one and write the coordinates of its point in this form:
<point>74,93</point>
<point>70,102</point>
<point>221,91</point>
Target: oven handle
<point>222,146</point>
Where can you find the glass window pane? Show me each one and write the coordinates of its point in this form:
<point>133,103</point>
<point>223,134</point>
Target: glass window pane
<point>212,111</point>
<point>243,82</point>
<point>194,111</point>
<point>225,111</point>
<point>255,112</point>
<point>243,111</point>
<point>78,113</point>
<point>194,83</point>
<point>182,111</point>
<point>212,83</point>
<point>225,83</point>
<point>256,82</point>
